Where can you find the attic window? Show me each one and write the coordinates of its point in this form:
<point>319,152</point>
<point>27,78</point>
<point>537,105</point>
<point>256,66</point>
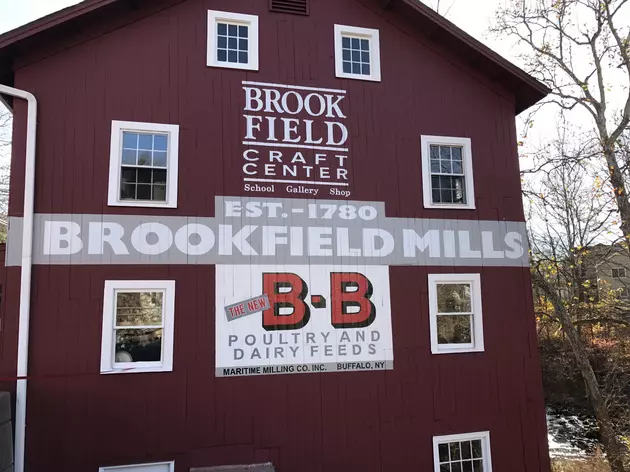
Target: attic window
<point>232,40</point>
<point>357,53</point>
<point>296,7</point>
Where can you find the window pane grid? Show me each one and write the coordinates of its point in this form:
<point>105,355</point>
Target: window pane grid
<point>356,55</point>
<point>448,184</point>
<point>138,345</point>
<point>454,314</point>
<point>144,166</point>
<point>145,306</point>
<point>138,326</point>
<point>232,43</point>
<point>454,297</point>
<point>455,329</point>
<point>461,456</point>
<point>144,149</point>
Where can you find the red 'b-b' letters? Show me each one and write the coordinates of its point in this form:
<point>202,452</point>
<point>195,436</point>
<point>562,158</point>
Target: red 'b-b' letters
<point>351,290</point>
<point>292,298</point>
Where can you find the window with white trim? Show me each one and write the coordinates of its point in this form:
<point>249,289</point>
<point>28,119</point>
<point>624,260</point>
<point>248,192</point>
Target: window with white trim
<point>447,173</point>
<point>232,40</point>
<point>143,165</point>
<point>357,53</point>
<point>138,326</point>
<point>462,453</point>
<point>456,322</point>
<point>157,467</point>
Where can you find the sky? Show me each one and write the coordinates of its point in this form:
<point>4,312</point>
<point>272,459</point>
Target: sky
<point>14,13</point>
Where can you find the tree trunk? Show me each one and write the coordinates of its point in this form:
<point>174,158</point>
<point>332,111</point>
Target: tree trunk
<point>612,447</point>
<point>619,187</point>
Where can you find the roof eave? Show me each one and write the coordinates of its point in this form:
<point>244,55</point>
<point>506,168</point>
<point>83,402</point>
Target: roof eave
<point>527,90</point>
<point>49,21</point>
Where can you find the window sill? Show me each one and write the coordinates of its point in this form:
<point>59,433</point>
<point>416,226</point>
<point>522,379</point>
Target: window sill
<point>367,78</point>
<point>137,204</point>
<point>222,65</point>
<point>433,206</point>
<point>137,370</point>
<point>453,350</point>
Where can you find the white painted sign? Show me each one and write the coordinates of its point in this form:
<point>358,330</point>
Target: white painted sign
<point>320,319</point>
<point>264,231</point>
<point>296,141</point>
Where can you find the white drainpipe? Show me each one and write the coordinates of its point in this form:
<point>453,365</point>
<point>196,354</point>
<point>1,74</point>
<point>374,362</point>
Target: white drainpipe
<point>25,281</point>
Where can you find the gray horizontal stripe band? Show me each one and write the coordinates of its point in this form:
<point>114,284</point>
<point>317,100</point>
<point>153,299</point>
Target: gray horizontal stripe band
<point>272,231</point>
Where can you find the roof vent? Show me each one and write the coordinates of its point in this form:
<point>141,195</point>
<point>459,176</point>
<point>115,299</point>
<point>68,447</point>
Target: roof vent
<point>296,7</point>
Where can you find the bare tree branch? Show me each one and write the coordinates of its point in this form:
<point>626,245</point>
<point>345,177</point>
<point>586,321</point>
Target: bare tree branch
<point>571,213</point>
<point>581,50</point>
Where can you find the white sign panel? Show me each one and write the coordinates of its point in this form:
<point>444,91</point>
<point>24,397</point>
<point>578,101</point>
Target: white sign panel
<point>317,319</point>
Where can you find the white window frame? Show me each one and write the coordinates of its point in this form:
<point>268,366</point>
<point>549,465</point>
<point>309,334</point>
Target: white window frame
<point>121,468</point>
<point>371,35</point>
<point>484,436</point>
<point>115,163</point>
<point>108,364</point>
<point>477,333</point>
<point>467,157</point>
<point>251,21</point>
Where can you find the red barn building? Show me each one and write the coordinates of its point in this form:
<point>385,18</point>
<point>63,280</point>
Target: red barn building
<point>285,233</point>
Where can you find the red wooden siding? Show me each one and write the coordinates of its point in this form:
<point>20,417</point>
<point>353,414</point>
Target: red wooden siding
<point>371,421</point>
<point>10,281</point>
<point>154,70</point>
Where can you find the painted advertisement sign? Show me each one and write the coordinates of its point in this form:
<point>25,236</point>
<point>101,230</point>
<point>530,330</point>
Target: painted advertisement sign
<point>296,141</point>
<point>266,231</point>
<point>323,318</point>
